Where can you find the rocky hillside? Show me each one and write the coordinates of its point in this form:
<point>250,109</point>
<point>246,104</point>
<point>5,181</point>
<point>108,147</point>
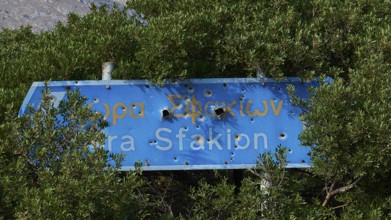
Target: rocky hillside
<point>44,14</point>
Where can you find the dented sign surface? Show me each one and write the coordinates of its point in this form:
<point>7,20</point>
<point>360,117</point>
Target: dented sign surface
<point>192,124</point>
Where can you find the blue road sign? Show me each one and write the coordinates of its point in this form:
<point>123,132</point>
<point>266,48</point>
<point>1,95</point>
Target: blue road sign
<point>192,124</point>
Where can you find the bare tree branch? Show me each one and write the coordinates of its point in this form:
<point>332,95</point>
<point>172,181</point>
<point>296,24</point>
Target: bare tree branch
<point>332,192</point>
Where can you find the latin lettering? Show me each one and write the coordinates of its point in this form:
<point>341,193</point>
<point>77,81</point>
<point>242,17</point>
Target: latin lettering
<point>197,140</point>
<point>214,140</point>
<point>229,139</point>
<point>180,136</point>
<point>130,142</point>
<point>160,138</point>
<point>237,141</point>
<point>110,142</point>
<point>256,136</point>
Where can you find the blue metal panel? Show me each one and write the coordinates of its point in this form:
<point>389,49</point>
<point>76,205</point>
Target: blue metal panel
<point>193,124</point>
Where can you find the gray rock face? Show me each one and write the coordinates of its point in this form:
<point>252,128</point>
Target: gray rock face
<point>44,14</point>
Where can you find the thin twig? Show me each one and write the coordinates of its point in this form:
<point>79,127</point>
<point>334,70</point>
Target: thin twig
<point>340,206</point>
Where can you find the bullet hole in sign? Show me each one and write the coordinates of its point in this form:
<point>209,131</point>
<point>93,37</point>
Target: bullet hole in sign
<point>219,113</point>
<point>165,114</point>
